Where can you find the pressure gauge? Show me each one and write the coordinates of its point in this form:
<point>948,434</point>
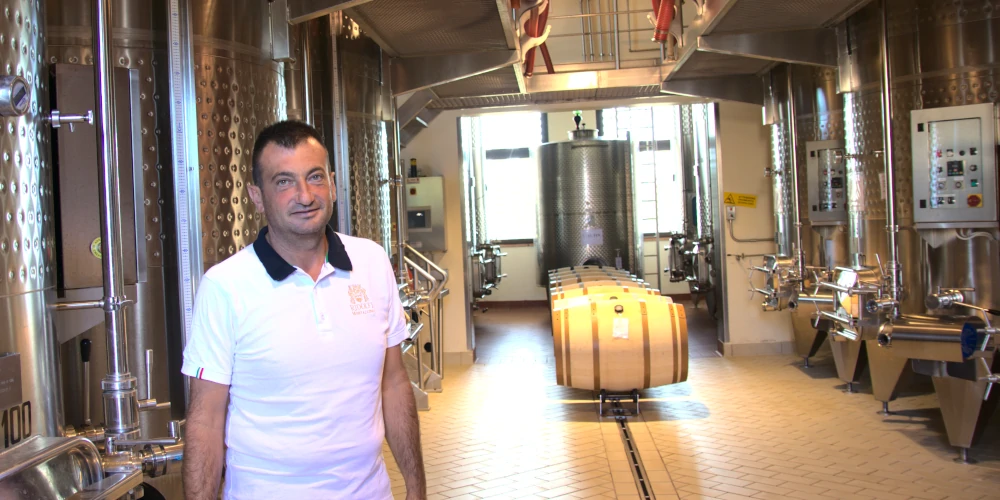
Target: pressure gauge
<point>15,97</point>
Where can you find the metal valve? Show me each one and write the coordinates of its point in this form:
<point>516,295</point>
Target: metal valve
<point>944,299</point>
<point>57,119</point>
<point>884,304</point>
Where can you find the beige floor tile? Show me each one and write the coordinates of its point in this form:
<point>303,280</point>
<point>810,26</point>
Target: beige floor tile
<point>753,427</point>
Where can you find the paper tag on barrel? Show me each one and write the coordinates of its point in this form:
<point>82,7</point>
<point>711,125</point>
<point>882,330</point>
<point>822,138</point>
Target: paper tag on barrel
<point>620,328</point>
<point>592,236</point>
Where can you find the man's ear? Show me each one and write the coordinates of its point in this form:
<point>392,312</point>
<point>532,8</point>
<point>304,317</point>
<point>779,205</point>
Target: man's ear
<point>257,196</point>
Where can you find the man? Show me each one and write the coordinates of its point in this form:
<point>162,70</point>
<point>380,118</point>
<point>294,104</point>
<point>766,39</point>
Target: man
<point>294,351</point>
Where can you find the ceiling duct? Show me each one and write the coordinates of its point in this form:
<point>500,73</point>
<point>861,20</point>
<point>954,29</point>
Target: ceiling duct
<point>731,43</point>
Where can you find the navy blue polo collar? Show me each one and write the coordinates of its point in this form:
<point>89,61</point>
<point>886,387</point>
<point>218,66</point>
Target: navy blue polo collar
<point>279,269</point>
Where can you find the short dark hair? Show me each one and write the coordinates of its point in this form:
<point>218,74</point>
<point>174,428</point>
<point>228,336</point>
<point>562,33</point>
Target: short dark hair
<point>287,134</point>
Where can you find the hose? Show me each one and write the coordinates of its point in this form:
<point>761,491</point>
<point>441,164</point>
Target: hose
<point>664,11</point>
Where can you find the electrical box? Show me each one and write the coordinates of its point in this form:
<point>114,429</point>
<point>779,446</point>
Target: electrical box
<point>826,181</point>
<point>425,213</point>
<point>954,166</point>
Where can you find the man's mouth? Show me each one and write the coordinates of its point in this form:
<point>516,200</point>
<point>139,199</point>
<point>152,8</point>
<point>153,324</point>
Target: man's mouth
<point>307,212</point>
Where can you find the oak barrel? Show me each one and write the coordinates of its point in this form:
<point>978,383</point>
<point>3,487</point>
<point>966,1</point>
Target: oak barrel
<point>608,282</point>
<point>589,273</point>
<point>622,291</point>
<point>647,348</point>
<point>568,280</point>
<point>583,268</point>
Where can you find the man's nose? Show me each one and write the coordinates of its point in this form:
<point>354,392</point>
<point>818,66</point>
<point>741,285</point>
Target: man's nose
<point>304,195</point>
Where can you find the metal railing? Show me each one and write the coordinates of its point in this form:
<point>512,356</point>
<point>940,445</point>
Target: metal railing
<point>601,32</point>
<point>433,295</point>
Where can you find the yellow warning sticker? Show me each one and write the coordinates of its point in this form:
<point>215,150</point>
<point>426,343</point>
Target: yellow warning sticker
<point>740,199</point>
<point>95,247</point>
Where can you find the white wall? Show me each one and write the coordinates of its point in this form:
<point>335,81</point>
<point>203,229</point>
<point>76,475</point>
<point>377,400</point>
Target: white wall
<point>521,267</point>
<point>561,122</point>
<point>744,152</point>
<point>743,156</point>
<point>437,152</point>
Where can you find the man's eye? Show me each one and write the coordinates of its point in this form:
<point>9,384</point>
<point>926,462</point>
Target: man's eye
<point>283,182</point>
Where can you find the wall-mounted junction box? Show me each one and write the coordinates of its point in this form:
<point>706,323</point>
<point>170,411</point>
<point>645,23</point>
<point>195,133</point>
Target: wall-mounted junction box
<point>826,181</point>
<point>425,213</point>
<point>954,166</point>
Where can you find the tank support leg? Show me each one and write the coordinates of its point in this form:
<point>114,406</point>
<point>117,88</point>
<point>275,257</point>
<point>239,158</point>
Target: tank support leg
<point>963,457</point>
<point>885,409</point>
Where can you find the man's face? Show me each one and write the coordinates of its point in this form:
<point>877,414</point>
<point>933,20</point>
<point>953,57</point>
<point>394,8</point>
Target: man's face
<point>296,192</point>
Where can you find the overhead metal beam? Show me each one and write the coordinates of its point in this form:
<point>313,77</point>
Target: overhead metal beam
<point>506,19</point>
<point>413,106</point>
<point>603,79</point>
<point>816,47</point>
<point>417,73</point>
<point>739,88</point>
<point>304,10</point>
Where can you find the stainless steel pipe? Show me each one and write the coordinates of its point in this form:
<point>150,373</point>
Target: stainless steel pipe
<point>618,59</point>
<point>75,306</point>
<point>800,255</point>
<point>921,330</point>
<point>120,400</point>
<point>400,200</point>
<point>889,157</point>
<point>820,299</point>
<point>307,90</point>
<point>886,339</point>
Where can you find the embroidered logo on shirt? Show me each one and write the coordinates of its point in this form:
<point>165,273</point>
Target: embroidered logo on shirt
<point>360,304</point>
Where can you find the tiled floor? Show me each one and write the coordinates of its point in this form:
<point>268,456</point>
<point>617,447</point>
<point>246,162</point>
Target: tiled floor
<point>740,428</point>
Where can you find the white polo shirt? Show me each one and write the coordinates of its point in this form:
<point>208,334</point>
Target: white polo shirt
<point>304,362</point>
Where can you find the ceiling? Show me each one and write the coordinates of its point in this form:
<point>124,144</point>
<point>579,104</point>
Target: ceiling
<point>463,54</point>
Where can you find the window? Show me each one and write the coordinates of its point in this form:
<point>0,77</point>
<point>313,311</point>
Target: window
<point>506,144</point>
<point>510,174</point>
<point>660,191</point>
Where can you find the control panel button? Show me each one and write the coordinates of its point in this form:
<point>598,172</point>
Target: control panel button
<point>973,151</point>
<point>974,200</point>
<point>974,167</point>
<point>940,185</point>
<point>958,184</point>
<point>974,183</point>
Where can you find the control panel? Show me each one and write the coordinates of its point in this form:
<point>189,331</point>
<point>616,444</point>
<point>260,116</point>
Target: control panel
<point>826,181</point>
<point>425,213</point>
<point>954,165</point>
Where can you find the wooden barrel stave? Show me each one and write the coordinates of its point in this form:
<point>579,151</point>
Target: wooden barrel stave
<point>594,289</point>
